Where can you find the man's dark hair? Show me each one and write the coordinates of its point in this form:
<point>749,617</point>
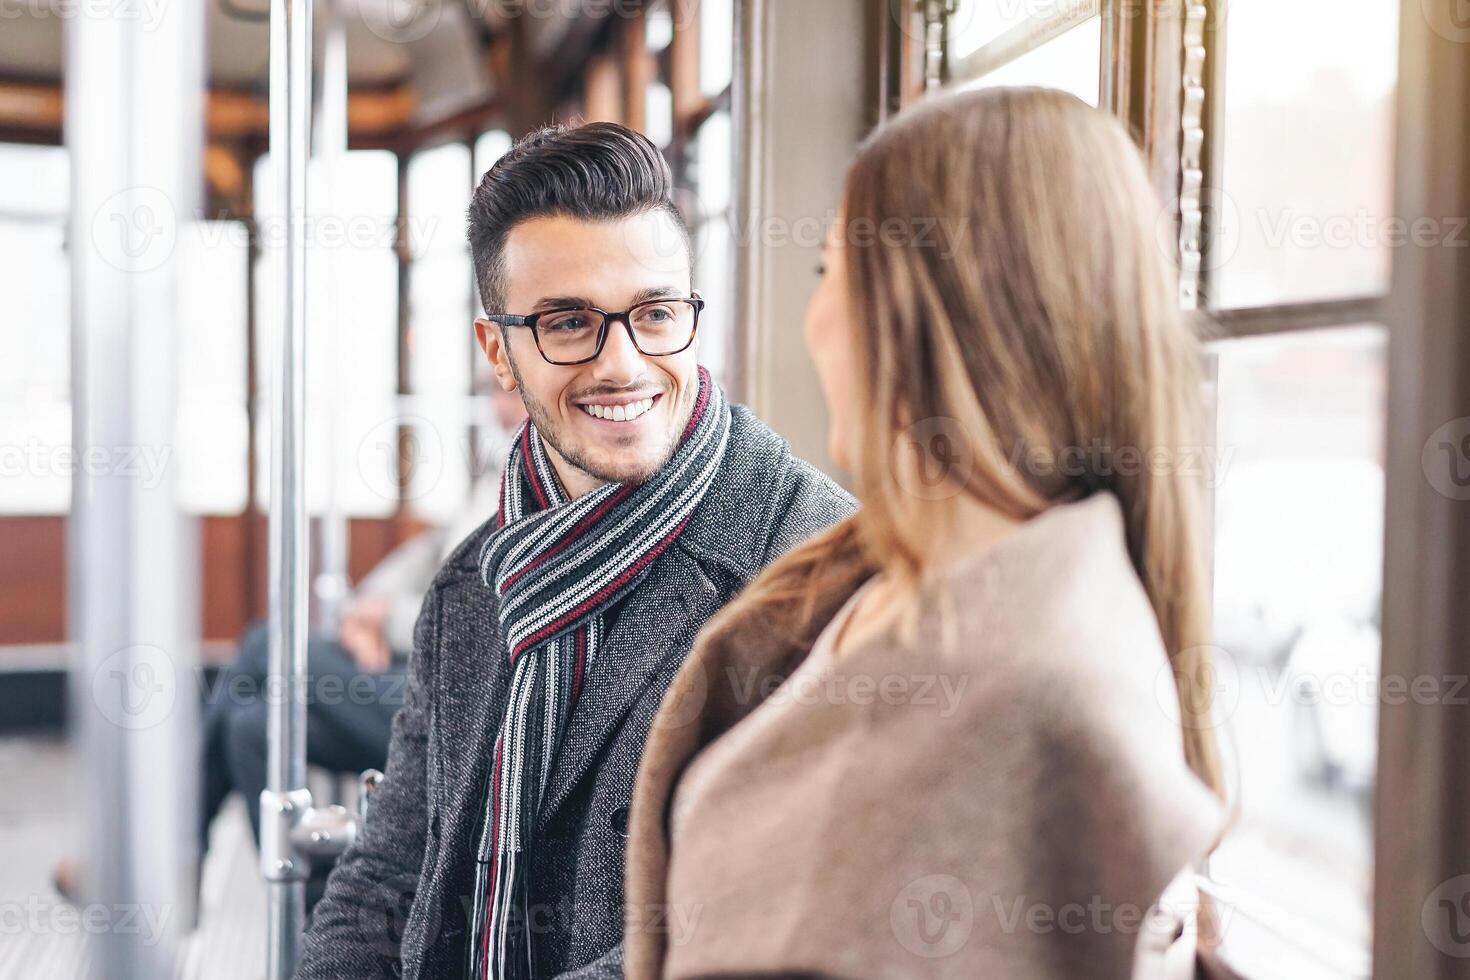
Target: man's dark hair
<point>597,172</point>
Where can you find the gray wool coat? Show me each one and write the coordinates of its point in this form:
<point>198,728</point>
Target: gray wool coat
<point>397,903</point>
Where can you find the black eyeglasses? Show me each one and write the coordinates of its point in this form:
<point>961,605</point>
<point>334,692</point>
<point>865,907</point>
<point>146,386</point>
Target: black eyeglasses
<point>659,327</point>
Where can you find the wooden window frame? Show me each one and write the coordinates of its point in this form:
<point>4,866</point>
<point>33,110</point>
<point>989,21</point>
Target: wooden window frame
<point>1139,81</point>
<point>1422,807</point>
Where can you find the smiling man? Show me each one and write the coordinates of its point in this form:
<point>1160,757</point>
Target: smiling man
<point>636,502</point>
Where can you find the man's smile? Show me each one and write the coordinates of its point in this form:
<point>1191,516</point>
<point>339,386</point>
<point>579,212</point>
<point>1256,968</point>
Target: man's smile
<point>620,410</point>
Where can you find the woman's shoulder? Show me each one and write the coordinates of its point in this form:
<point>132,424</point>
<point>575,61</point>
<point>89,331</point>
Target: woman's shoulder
<point>1061,580</point>
<point>1052,632</point>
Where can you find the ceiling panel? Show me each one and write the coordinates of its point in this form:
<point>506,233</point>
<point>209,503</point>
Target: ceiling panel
<point>379,41</point>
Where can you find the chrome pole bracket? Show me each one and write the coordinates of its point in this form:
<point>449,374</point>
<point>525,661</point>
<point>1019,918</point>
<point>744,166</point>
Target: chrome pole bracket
<point>293,833</point>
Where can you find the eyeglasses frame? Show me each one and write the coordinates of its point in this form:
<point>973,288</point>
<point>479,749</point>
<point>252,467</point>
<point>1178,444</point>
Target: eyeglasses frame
<point>625,318</point>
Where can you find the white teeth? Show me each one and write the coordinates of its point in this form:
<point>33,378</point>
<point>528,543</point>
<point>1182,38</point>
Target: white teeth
<point>619,413</point>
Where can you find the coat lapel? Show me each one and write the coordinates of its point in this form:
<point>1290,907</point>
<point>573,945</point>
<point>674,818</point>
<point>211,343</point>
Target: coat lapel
<point>469,710</point>
<point>658,622</point>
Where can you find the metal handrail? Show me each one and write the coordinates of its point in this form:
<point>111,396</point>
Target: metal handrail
<point>286,802</point>
<point>293,832</point>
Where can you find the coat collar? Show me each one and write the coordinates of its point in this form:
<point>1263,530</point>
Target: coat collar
<point>733,524</point>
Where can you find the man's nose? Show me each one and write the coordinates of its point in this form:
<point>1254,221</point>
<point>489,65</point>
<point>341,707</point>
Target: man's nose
<point>620,360</point>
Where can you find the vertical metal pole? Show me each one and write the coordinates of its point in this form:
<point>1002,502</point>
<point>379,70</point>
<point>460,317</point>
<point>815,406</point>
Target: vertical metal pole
<point>290,132</point>
<point>132,126</point>
<point>330,114</point>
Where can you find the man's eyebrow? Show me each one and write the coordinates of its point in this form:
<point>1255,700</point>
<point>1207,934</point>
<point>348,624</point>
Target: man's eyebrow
<point>581,302</point>
<point>561,303</point>
<point>654,292</point>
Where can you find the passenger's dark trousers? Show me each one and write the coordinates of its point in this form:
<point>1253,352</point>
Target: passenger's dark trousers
<point>349,715</point>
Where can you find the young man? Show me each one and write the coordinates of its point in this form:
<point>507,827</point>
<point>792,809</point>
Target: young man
<point>636,503</point>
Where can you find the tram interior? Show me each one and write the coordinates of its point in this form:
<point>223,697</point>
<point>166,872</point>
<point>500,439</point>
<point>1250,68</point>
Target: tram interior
<point>1334,352</point>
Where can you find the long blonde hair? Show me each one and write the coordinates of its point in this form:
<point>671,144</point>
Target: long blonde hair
<point>1009,287</point>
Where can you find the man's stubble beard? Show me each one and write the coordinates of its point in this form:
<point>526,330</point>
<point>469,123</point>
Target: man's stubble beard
<point>548,429</point>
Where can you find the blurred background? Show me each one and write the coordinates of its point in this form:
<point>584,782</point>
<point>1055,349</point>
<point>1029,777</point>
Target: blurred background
<point>1275,132</point>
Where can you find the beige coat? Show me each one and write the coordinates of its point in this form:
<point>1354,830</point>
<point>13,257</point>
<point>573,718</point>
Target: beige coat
<point>1005,797</point>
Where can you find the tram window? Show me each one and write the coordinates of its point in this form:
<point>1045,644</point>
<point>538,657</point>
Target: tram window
<point>658,101</point>
<point>716,45</point>
<point>354,420</point>
<point>352,349</point>
<point>1071,62</point>
<point>658,26</point>
<point>975,23</point>
<point>1308,152</point>
<point>441,341</point>
<point>36,181</point>
<point>437,178</point>
<point>713,240</point>
<point>35,377</point>
<point>213,428</point>
<point>713,151</point>
<point>1297,474</point>
<point>489,147</point>
<point>209,453</point>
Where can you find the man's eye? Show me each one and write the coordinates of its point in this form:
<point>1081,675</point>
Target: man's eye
<point>657,314</point>
<point>566,323</point>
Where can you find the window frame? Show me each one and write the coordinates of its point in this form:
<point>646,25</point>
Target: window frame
<point>1423,802</point>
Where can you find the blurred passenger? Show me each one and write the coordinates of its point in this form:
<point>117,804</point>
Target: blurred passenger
<point>985,695</point>
<point>355,679</point>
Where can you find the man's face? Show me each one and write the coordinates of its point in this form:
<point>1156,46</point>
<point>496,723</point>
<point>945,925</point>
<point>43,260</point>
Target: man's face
<point>559,263</point>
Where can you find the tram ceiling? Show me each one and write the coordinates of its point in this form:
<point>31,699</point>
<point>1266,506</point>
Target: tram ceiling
<point>412,70</point>
<point>406,75</point>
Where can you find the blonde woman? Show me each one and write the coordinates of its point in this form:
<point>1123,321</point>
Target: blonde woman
<point>965,733</point>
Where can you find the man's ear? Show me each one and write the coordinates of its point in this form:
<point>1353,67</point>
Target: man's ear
<point>491,337</point>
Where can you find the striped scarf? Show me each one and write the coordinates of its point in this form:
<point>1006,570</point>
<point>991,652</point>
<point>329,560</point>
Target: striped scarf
<point>556,566</point>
